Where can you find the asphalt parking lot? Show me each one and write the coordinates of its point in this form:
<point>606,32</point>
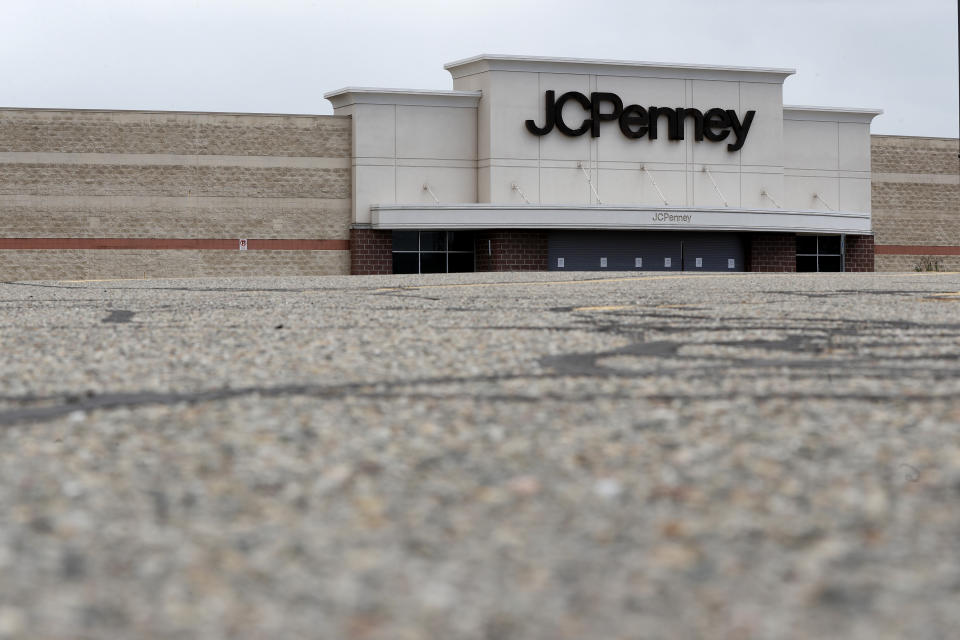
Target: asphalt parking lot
<point>489,456</point>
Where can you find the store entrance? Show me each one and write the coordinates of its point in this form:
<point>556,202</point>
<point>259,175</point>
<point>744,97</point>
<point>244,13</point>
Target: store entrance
<point>819,253</point>
<point>432,251</point>
<point>644,251</point>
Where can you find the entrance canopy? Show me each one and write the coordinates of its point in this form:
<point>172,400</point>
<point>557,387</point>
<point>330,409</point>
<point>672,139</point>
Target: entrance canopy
<point>498,216</point>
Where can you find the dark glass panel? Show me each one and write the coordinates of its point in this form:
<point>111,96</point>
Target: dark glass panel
<point>433,241</point>
<point>830,263</point>
<point>806,263</point>
<point>433,263</point>
<point>461,262</point>
<point>807,244</point>
<point>460,241</point>
<point>829,244</point>
<point>406,241</point>
<point>406,263</point>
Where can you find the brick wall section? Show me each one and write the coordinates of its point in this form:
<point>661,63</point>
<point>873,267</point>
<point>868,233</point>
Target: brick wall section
<point>858,253</point>
<point>371,252</point>
<point>773,252</point>
<point>907,154</point>
<point>511,250</point>
<point>25,216</point>
<point>915,197</point>
<point>180,133</point>
<point>152,180</point>
<point>80,264</point>
<point>917,262</point>
<point>172,175</point>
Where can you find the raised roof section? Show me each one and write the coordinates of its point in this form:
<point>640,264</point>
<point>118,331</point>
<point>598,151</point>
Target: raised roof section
<point>416,97</point>
<point>495,62</point>
<point>829,114</point>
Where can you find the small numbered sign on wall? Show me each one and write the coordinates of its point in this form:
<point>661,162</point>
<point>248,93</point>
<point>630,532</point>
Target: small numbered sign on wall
<point>243,244</point>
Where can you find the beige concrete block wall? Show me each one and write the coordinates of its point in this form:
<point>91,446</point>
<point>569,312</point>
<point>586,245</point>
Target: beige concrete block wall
<point>74,264</point>
<point>178,133</point>
<point>163,175</point>
<point>917,263</point>
<point>915,200</point>
<point>173,217</point>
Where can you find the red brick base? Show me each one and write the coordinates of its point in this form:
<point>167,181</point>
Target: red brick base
<point>371,252</point>
<point>511,250</point>
<point>773,252</point>
<point>859,253</point>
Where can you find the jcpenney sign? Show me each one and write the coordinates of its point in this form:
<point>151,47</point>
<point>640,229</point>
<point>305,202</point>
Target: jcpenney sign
<point>636,121</point>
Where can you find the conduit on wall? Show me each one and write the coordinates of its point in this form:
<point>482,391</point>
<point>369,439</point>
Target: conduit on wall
<point>654,182</point>
<point>816,196</point>
<point>427,188</point>
<point>715,186</point>
<point>764,194</point>
<point>516,188</point>
<point>589,182</point>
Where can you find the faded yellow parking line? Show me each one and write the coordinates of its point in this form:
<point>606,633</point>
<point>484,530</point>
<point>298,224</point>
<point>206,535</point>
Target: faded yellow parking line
<point>948,296</point>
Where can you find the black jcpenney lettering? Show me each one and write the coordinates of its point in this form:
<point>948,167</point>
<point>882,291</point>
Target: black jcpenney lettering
<point>636,122</point>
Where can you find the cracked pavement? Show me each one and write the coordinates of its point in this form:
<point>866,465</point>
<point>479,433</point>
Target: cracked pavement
<point>509,456</point>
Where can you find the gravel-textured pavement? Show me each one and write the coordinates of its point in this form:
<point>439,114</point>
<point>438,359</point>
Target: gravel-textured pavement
<point>481,456</point>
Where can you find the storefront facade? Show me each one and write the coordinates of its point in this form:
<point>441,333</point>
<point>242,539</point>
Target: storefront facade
<point>561,164</point>
<point>524,164</point>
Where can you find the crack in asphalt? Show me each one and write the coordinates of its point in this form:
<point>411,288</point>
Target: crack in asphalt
<point>806,336</point>
<point>581,364</point>
<point>109,401</point>
<point>119,316</point>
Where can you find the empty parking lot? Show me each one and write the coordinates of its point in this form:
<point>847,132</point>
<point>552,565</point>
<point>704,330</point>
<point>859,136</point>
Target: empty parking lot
<point>505,456</point>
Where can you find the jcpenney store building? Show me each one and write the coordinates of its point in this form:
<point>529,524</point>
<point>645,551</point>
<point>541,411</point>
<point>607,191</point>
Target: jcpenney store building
<point>565,164</point>
<point>526,164</point>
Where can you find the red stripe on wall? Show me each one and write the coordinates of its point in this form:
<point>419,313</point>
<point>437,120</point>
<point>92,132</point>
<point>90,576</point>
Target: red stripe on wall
<point>253,244</point>
<point>916,250</point>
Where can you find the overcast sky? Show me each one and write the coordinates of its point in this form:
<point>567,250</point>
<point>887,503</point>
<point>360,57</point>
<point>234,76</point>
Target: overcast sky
<point>281,55</point>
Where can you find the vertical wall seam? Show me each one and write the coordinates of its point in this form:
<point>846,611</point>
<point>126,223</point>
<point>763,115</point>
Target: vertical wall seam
<point>740,152</point>
<point>396,170</point>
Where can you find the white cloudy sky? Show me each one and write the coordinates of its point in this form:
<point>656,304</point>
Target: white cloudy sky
<point>282,55</point>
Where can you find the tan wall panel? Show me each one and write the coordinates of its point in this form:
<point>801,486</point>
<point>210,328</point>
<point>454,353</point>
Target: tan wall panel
<point>908,197</point>
<point>38,130</point>
<point>930,229</point>
<point>101,174</point>
<point>910,263</point>
<point>152,180</point>
<point>903,154</point>
<point>70,264</point>
<point>178,217</point>
<point>915,195</point>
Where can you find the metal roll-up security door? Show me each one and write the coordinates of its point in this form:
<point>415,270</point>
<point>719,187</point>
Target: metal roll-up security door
<point>715,251</point>
<point>643,251</point>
